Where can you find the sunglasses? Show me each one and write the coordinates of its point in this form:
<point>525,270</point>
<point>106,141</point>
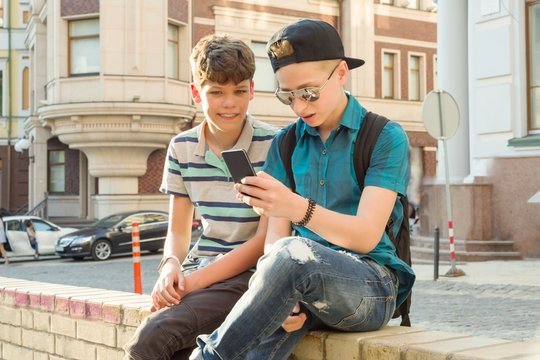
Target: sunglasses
<point>310,94</point>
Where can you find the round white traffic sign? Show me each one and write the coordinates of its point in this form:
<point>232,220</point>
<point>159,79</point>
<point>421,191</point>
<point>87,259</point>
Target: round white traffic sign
<point>440,114</point>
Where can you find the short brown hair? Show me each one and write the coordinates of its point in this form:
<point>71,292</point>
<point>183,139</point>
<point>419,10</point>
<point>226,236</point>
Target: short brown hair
<point>220,58</point>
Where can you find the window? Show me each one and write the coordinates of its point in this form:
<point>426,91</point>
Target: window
<point>264,77</point>
<point>25,88</point>
<point>42,225</point>
<point>84,47</point>
<point>25,16</point>
<point>13,225</point>
<point>389,76</point>
<point>155,217</point>
<point>133,218</point>
<point>534,65</point>
<point>435,73</point>
<point>172,52</point>
<point>57,169</point>
<point>414,78</point>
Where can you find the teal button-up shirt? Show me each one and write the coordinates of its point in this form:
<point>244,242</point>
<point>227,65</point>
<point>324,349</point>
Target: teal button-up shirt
<point>325,173</point>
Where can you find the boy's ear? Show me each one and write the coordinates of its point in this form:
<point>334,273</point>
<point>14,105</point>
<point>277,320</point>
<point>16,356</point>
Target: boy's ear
<point>195,94</point>
<point>343,73</point>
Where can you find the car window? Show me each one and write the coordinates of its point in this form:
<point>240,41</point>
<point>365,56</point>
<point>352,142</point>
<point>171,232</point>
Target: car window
<point>130,219</point>
<point>108,221</point>
<point>13,225</point>
<point>155,217</point>
<point>42,226</point>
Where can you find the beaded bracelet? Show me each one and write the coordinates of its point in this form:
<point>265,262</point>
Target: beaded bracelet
<point>308,215</point>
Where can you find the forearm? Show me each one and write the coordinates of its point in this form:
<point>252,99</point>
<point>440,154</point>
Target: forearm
<point>360,232</point>
<point>176,245</point>
<point>278,228</point>
<point>231,264</point>
<point>225,267</point>
<point>348,231</point>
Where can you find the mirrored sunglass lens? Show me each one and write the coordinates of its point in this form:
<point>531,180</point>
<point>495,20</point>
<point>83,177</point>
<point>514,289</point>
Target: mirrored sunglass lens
<point>309,94</point>
<point>284,97</point>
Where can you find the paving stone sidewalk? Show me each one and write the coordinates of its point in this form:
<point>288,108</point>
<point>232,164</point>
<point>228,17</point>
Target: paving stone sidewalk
<point>494,299</point>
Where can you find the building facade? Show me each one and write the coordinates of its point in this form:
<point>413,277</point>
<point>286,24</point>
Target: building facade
<point>14,103</point>
<point>110,85</point>
<point>489,60</point>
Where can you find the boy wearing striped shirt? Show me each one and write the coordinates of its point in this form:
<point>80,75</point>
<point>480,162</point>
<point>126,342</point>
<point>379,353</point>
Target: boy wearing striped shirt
<point>196,289</point>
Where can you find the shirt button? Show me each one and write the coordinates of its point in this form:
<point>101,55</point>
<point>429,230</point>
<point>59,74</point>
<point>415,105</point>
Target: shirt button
<point>324,152</point>
<point>321,182</point>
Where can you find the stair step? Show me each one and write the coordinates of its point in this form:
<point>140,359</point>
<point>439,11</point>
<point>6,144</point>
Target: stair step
<point>423,253</point>
<point>474,247</point>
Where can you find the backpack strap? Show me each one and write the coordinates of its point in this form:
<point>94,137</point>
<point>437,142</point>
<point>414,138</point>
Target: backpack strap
<point>286,149</point>
<point>363,148</point>
<point>365,143</point>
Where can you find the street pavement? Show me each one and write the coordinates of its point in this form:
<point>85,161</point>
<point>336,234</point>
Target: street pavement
<point>497,299</point>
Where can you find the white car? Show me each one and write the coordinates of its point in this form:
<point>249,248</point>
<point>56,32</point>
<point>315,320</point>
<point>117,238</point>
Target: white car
<point>18,242</point>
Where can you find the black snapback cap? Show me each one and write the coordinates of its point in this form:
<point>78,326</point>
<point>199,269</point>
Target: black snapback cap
<point>312,40</point>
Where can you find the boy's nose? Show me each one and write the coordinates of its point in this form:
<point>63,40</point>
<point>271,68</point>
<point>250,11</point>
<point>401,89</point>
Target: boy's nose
<point>229,101</point>
<point>298,105</point>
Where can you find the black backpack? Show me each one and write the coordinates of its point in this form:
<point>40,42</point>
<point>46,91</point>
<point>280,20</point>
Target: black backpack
<point>365,142</point>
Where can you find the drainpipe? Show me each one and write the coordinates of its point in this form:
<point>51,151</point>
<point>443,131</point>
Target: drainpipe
<point>10,108</point>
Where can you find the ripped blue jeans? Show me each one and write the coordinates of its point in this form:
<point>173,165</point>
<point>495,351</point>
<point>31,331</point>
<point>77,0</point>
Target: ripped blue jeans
<point>336,290</point>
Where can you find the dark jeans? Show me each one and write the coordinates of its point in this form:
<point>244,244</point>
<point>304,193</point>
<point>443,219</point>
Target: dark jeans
<point>170,333</point>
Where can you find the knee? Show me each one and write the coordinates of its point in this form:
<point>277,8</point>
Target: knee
<point>149,341</point>
<point>291,251</point>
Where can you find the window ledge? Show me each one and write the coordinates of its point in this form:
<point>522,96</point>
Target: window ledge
<point>532,140</point>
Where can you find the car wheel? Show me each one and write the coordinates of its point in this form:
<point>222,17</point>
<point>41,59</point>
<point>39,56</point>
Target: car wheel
<point>101,250</point>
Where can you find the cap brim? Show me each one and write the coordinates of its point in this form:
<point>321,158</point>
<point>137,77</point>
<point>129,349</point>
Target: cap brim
<point>353,63</point>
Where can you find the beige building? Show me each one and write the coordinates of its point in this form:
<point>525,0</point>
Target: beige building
<point>108,87</point>
<point>489,60</point>
<point>14,103</point>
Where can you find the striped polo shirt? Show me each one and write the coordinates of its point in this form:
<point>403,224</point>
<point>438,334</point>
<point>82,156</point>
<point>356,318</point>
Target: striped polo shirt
<point>193,170</point>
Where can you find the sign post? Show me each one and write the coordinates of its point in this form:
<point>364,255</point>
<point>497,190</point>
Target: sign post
<point>440,114</point>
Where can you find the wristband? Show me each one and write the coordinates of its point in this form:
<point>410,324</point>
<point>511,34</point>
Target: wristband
<point>308,215</point>
<point>167,258</point>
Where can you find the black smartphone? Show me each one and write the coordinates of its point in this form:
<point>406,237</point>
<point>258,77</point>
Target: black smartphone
<point>238,163</point>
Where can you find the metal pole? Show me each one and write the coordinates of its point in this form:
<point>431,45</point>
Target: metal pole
<point>436,254</point>
<point>453,270</point>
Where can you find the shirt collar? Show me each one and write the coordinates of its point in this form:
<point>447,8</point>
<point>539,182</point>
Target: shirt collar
<point>243,142</point>
<point>352,117</point>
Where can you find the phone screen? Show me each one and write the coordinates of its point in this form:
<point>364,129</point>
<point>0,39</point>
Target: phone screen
<point>238,163</point>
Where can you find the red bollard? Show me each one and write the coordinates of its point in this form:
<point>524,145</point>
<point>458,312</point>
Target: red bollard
<point>135,237</point>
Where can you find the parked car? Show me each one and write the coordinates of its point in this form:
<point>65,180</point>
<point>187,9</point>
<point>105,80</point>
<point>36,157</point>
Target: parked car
<point>112,235</point>
<point>18,242</point>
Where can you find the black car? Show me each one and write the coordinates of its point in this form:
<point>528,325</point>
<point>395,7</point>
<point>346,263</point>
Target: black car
<point>112,235</point>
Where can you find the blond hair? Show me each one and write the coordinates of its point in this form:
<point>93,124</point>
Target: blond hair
<point>220,58</point>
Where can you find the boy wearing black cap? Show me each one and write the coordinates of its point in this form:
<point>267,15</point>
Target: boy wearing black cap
<point>340,271</point>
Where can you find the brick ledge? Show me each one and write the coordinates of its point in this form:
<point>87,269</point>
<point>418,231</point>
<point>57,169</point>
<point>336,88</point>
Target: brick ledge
<point>70,322</point>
